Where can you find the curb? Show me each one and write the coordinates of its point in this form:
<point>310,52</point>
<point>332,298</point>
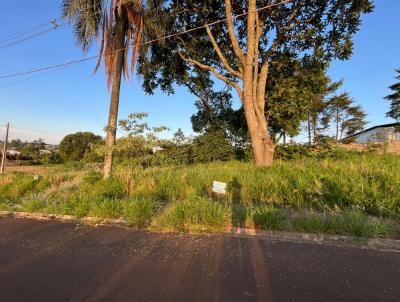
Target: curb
<point>382,244</point>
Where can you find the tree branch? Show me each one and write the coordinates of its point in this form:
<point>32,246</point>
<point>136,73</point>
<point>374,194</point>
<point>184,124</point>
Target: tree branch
<point>259,32</point>
<point>280,33</point>
<point>214,72</point>
<point>221,55</point>
<point>235,44</point>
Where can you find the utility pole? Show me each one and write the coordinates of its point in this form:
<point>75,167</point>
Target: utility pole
<point>3,159</point>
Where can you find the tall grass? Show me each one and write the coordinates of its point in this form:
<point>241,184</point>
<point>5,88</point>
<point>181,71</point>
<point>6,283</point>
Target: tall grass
<point>370,183</point>
<point>181,198</point>
<point>196,215</point>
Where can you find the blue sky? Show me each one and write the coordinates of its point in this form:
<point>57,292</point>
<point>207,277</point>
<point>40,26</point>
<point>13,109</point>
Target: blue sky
<point>74,99</point>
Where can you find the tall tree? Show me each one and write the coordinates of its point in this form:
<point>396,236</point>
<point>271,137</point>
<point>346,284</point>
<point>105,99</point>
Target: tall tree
<point>347,117</point>
<point>120,25</point>
<point>355,120</point>
<point>394,100</point>
<point>240,50</point>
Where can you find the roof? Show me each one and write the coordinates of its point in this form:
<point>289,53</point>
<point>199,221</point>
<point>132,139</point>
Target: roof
<point>375,127</point>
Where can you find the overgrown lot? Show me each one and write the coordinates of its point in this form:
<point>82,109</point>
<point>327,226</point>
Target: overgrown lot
<point>356,195</point>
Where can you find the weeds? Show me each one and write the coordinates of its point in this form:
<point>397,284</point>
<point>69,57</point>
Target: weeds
<point>196,215</point>
<point>140,212</point>
<point>357,196</point>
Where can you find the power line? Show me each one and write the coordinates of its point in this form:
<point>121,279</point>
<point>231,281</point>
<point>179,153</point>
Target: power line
<point>17,34</point>
<point>139,44</point>
<point>30,37</point>
<point>34,77</point>
<point>33,29</point>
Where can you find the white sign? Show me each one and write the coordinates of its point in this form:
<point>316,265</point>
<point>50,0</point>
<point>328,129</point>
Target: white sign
<point>219,187</point>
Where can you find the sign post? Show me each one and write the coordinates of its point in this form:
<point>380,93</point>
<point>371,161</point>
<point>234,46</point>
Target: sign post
<point>219,187</point>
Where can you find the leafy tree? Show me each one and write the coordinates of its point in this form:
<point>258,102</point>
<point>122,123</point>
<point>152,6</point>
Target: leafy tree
<point>354,121</point>
<point>348,118</point>
<point>16,143</point>
<point>119,24</point>
<point>140,138</point>
<point>179,138</point>
<point>212,146</point>
<point>76,146</point>
<point>240,51</point>
<point>394,100</point>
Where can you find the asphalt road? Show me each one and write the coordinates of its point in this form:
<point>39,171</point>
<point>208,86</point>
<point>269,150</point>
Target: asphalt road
<point>53,261</point>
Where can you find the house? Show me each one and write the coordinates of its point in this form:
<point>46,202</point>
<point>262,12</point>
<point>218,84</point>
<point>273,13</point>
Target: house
<point>378,134</point>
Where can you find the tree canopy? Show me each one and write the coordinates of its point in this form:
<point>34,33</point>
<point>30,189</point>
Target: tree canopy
<point>75,146</point>
<point>394,100</point>
<point>242,45</point>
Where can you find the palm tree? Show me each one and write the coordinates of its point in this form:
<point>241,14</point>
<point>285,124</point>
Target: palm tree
<point>120,26</point>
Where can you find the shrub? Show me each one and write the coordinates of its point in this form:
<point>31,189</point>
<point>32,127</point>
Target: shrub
<point>195,215</point>
<point>268,217</point>
<point>108,208</point>
<point>21,186</point>
<point>357,224</point>
<point>106,189</point>
<point>212,146</point>
<point>139,212</point>
<point>34,205</point>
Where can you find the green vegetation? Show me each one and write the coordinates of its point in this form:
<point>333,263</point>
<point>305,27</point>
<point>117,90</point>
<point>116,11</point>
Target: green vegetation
<point>353,194</point>
<point>78,146</point>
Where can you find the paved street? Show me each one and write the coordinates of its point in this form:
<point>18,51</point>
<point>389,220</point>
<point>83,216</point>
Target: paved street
<point>54,261</point>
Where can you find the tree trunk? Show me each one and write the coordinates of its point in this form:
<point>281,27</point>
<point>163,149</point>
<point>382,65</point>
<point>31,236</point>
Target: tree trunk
<point>315,133</point>
<point>309,129</point>
<point>337,124</point>
<point>261,142</point>
<point>114,101</point>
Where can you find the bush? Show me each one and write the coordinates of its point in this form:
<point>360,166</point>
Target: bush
<point>107,208</point>
<point>54,158</point>
<point>268,217</point>
<point>300,151</point>
<point>139,212</point>
<point>106,189</point>
<point>212,146</point>
<point>21,186</point>
<point>195,215</point>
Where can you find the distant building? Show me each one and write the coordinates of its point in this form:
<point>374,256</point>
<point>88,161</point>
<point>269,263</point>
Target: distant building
<point>13,152</point>
<point>378,134</point>
<point>44,151</point>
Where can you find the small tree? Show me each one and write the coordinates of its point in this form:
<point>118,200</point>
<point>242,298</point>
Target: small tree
<point>179,138</point>
<point>75,146</point>
<point>140,138</point>
<point>212,146</point>
<point>394,100</point>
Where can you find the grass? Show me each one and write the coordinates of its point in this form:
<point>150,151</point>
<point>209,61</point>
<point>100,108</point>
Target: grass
<point>196,215</point>
<point>140,212</point>
<point>356,195</point>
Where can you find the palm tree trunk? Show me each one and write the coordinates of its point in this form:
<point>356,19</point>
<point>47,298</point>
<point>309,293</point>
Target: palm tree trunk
<point>114,101</point>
